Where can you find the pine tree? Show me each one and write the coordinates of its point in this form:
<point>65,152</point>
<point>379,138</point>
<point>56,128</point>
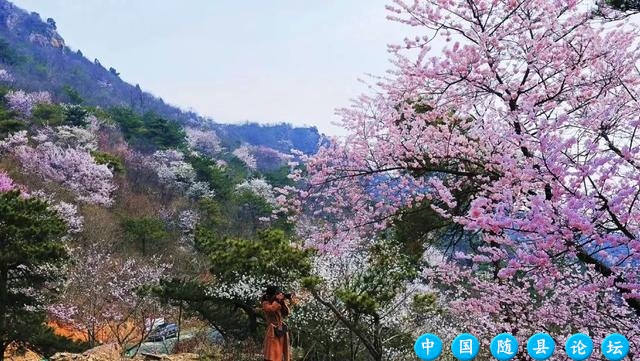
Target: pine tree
<point>31,250</point>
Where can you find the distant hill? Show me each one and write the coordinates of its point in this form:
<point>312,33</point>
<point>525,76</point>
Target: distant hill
<point>282,137</point>
<point>39,59</point>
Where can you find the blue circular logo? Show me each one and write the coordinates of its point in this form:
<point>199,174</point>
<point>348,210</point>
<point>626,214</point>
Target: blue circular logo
<point>465,347</point>
<point>540,346</point>
<point>579,347</point>
<point>615,347</point>
<point>504,346</point>
<point>428,347</point>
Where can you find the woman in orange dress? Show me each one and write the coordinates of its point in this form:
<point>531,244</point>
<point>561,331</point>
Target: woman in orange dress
<point>276,338</point>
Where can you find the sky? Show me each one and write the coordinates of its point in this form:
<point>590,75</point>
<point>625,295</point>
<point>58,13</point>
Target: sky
<point>266,61</point>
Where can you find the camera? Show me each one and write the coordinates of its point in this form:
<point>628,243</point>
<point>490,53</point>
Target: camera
<point>288,296</point>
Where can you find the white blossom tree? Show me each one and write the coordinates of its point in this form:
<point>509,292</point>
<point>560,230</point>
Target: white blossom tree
<point>107,296</point>
<point>245,154</point>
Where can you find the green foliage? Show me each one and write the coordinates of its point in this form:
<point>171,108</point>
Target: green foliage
<point>245,208</point>
<point>237,169</point>
<point>279,177</point>
<point>624,5</point>
<point>130,122</point>
<point>72,95</point>
<point>194,298</point>
<point>415,226</point>
<point>271,255</point>
<point>207,171</point>
<point>421,226</point>
<point>9,121</point>
<point>149,131</point>
<point>212,213</point>
<point>41,69</point>
<point>8,126</point>
<point>75,115</point>
<point>113,162</point>
<point>163,133</point>
<point>31,249</point>
<point>425,303</point>
<point>56,114</point>
<point>7,54</point>
<point>4,91</point>
<point>145,231</point>
<point>49,114</point>
<point>311,282</point>
<point>387,273</point>
<point>102,114</point>
<point>358,303</point>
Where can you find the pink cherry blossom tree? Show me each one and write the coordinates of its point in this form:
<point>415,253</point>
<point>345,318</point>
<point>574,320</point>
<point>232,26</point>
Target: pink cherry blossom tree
<point>517,143</point>
<point>73,167</point>
<point>23,102</point>
<point>6,183</point>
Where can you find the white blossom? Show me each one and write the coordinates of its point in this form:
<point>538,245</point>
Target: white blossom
<point>76,137</point>
<point>244,153</point>
<point>259,187</point>
<point>176,174</point>
<point>242,287</point>
<point>187,221</point>
<point>203,141</point>
<point>14,140</point>
<point>5,75</point>
<point>69,213</point>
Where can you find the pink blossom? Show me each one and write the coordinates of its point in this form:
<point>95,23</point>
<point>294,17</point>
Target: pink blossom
<point>75,168</point>
<point>517,135</point>
<point>23,102</point>
<point>6,183</point>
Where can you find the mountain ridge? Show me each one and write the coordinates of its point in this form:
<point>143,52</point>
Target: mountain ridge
<point>38,58</point>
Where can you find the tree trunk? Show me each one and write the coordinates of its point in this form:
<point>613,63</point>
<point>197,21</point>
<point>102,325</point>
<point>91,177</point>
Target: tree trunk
<point>4,298</point>
<point>252,325</point>
<point>377,337</point>
<point>179,322</point>
<point>369,344</point>
<point>3,347</point>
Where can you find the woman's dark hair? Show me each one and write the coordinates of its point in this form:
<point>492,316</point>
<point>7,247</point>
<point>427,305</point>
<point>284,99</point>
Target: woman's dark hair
<point>270,293</point>
<point>270,296</point>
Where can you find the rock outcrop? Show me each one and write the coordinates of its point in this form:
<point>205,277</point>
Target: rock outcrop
<point>30,26</point>
<point>64,356</point>
<point>112,352</point>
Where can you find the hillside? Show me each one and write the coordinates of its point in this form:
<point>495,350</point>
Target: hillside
<point>137,205</point>
<point>469,197</point>
<point>39,59</point>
